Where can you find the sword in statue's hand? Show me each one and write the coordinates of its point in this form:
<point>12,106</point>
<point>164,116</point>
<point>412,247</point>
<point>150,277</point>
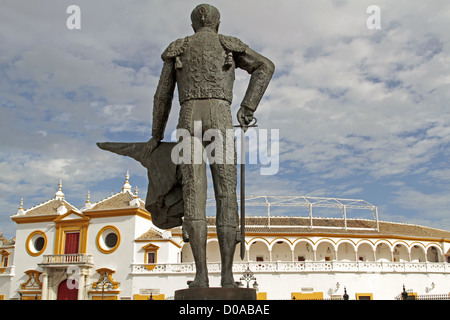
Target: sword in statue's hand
<point>244,128</point>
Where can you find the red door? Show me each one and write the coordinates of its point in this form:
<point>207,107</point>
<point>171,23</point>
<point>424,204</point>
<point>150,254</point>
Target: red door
<point>64,293</point>
<point>72,242</point>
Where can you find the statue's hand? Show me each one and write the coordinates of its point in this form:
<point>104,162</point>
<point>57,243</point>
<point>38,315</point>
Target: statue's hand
<point>245,116</point>
<point>150,146</point>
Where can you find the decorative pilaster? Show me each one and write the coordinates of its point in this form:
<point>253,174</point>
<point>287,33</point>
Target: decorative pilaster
<point>44,294</point>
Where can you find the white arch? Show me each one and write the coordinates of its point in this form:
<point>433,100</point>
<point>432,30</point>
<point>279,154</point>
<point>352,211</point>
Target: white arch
<point>418,252</point>
<point>368,255</point>
<point>305,251</point>
<point>436,245</point>
<point>186,253</point>
<point>379,242</point>
<point>380,255</point>
<point>438,256</point>
<point>254,254</point>
<point>350,256</point>
<point>345,241</point>
<point>212,250</point>
<point>365,241</point>
<point>328,240</point>
<point>325,250</point>
<point>277,240</point>
<point>294,244</point>
<point>401,251</point>
<point>281,250</point>
<point>258,239</point>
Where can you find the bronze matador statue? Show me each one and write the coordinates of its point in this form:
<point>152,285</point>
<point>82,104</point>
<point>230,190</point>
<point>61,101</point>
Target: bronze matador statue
<point>203,67</point>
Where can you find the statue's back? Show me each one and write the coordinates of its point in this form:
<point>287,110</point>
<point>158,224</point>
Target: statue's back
<point>204,72</point>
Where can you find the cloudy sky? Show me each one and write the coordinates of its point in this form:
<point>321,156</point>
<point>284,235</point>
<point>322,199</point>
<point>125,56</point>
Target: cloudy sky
<point>361,113</point>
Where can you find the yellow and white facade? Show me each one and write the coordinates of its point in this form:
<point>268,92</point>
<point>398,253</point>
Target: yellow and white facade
<point>111,250</point>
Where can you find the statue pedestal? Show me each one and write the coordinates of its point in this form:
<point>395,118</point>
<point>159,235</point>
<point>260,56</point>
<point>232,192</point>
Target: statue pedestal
<point>216,294</point>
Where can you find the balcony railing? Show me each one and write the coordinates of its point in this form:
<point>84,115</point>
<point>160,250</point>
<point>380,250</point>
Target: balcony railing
<point>67,259</point>
<point>7,271</point>
<point>304,266</point>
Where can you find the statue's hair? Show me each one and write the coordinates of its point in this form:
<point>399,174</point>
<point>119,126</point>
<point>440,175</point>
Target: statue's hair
<point>205,15</point>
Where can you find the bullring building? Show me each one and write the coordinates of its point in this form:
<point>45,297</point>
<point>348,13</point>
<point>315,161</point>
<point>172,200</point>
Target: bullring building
<point>111,250</point>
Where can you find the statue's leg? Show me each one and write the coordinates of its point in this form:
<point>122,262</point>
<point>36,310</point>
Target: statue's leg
<point>197,238</point>
<point>194,224</point>
<point>224,176</point>
<point>226,221</point>
<point>194,198</point>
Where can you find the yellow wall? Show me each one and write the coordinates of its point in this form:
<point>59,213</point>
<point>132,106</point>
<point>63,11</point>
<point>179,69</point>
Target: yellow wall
<point>359,295</point>
<point>307,296</point>
<point>104,298</point>
<point>147,297</point>
<point>261,296</point>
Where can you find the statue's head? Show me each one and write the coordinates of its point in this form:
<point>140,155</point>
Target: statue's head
<point>205,15</point>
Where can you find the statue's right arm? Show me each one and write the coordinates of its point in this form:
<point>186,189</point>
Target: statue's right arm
<point>162,101</point>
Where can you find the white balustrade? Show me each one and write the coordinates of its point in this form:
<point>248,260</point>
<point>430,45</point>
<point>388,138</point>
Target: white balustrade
<point>302,267</point>
<point>57,259</point>
<point>7,271</point>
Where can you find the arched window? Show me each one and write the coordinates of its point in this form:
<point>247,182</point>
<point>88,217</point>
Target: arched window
<point>303,251</point>
<point>325,251</point>
<point>383,252</point>
<point>259,251</point>
<point>400,253</point>
<point>281,251</point>
<point>212,251</point>
<point>418,253</point>
<point>5,258</point>
<point>346,251</point>
<point>365,252</point>
<point>433,254</point>
<point>186,253</point>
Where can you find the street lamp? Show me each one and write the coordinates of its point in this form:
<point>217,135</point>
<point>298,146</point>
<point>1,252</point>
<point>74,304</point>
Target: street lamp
<point>248,276</point>
<point>104,282</point>
<point>345,296</point>
<point>406,296</point>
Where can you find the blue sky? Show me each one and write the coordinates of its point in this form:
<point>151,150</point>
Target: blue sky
<point>362,113</point>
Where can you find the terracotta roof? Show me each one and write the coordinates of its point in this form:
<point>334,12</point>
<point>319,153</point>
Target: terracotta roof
<point>119,200</point>
<point>48,208</point>
<point>150,235</point>
<point>300,225</point>
<point>6,242</point>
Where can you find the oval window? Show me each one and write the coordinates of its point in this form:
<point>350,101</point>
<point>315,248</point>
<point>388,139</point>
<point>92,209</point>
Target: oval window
<point>39,243</point>
<point>111,240</point>
<point>108,239</point>
<point>36,243</point>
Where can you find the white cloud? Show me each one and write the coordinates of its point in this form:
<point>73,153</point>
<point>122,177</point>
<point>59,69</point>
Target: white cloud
<point>431,209</point>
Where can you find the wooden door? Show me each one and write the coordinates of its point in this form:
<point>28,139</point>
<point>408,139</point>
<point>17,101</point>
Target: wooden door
<point>72,243</point>
<point>64,293</point>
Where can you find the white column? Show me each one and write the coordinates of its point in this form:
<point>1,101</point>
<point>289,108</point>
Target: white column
<point>81,287</point>
<point>44,293</point>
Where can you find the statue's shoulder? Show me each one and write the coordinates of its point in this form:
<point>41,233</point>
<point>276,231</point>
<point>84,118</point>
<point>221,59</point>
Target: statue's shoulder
<point>175,49</point>
<point>232,44</point>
